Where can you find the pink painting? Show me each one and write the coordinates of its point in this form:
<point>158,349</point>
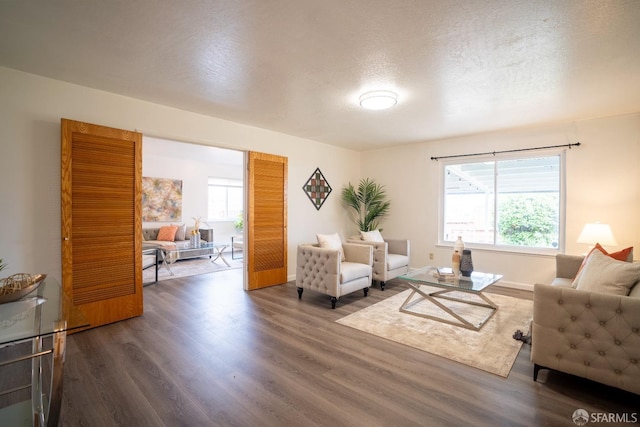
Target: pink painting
<point>161,199</point>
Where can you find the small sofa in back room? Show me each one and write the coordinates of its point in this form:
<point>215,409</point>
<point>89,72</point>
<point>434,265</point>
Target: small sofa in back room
<point>173,242</point>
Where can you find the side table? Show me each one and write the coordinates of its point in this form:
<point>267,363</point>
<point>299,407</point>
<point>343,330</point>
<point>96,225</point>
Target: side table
<point>151,257</point>
<point>33,331</point>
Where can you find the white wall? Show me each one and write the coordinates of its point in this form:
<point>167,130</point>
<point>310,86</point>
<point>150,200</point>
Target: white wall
<point>30,111</point>
<point>603,184</point>
<point>603,174</point>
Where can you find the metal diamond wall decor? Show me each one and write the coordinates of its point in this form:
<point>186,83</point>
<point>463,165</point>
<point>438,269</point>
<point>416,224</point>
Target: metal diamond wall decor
<point>317,188</point>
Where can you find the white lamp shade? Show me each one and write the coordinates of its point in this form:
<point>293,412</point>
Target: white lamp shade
<point>378,100</point>
<point>597,233</point>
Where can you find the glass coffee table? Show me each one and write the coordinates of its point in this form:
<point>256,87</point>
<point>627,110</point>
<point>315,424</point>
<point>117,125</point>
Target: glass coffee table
<point>427,287</point>
<point>167,256</point>
<point>210,249</point>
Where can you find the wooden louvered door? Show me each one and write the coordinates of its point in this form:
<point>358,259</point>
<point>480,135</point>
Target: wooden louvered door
<point>102,220</point>
<point>267,221</point>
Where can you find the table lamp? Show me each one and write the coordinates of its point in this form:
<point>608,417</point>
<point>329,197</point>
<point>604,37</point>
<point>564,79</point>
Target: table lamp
<point>597,233</point>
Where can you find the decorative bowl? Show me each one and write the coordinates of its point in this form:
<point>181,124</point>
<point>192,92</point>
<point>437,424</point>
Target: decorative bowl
<point>19,285</point>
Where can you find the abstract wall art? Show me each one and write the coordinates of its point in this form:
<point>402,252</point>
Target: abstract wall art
<point>161,199</point>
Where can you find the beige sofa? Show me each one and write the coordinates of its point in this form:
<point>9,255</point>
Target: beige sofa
<point>182,241</point>
<point>590,334</point>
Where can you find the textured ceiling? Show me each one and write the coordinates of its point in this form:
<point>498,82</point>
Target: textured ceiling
<point>298,66</point>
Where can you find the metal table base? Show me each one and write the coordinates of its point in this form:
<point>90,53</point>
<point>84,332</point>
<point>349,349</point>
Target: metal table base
<point>433,297</point>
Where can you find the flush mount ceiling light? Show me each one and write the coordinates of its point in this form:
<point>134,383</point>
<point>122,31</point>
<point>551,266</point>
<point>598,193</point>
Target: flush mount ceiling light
<point>378,100</point>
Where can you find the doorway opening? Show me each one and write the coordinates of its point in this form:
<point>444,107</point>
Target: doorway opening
<point>192,186</point>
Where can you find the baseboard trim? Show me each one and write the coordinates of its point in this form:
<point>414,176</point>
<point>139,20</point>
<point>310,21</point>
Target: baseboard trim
<point>516,285</point>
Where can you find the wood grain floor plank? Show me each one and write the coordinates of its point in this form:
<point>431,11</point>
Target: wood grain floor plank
<point>207,353</point>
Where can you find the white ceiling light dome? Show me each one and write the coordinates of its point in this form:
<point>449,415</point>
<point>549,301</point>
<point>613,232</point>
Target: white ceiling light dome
<point>378,99</point>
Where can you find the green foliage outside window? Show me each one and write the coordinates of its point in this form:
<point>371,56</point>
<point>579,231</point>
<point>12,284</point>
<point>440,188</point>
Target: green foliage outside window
<point>528,220</point>
<point>238,223</point>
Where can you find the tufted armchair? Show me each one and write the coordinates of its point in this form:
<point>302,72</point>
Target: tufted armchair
<point>324,270</point>
<point>390,258</point>
<point>589,334</point>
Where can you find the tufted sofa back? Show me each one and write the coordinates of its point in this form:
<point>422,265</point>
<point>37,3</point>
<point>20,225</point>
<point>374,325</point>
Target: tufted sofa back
<point>151,233</point>
<point>589,334</point>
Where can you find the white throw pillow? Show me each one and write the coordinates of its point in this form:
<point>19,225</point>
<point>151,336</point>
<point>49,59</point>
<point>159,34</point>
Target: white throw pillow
<point>371,236</point>
<point>180,232</point>
<point>606,275</point>
<point>331,241</point>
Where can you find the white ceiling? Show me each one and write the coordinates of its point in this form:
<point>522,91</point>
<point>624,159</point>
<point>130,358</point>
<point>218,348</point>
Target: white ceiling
<point>298,66</point>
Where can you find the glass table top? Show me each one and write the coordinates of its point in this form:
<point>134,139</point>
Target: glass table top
<point>203,245</point>
<point>429,276</point>
<point>43,312</point>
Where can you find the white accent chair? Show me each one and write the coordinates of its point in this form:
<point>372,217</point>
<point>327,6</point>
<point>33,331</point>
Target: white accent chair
<point>324,270</point>
<point>390,258</point>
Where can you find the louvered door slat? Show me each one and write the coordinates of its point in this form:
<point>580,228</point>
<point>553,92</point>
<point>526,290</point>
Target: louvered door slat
<point>102,220</point>
<point>267,249</point>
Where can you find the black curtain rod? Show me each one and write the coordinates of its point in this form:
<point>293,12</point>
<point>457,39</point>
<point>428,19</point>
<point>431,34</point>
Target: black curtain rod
<point>577,144</point>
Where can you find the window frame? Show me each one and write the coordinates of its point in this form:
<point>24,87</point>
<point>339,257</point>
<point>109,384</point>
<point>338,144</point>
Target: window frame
<point>502,247</point>
<point>223,183</point>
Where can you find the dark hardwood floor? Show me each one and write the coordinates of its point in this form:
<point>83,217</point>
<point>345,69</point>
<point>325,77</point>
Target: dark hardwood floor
<point>207,353</point>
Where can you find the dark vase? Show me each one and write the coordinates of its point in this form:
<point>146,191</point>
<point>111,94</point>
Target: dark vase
<point>466,264</point>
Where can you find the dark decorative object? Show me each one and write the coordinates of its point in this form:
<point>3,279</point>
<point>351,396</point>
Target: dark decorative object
<point>317,188</point>
<point>520,336</point>
<point>466,264</point>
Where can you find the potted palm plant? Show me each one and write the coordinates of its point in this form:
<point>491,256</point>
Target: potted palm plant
<point>368,203</point>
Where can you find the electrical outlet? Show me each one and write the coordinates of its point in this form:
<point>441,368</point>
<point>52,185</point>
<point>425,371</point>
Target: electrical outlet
<point>430,255</point>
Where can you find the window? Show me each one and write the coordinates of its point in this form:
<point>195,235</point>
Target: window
<point>225,199</point>
<point>514,202</point>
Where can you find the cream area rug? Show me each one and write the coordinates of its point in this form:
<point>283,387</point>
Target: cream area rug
<point>492,349</point>
<point>189,267</point>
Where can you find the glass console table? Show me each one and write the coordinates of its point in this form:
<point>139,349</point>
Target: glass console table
<point>32,350</point>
